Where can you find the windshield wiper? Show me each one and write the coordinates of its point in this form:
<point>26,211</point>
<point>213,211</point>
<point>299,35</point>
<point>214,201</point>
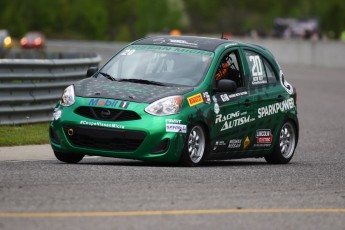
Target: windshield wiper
<point>143,81</point>
<point>108,76</point>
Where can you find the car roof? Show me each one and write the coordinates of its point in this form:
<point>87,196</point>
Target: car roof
<point>202,43</point>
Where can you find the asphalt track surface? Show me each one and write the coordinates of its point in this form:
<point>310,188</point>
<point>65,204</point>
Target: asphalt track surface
<point>38,192</point>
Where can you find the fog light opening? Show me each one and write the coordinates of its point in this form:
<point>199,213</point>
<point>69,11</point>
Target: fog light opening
<point>70,132</point>
<point>162,146</point>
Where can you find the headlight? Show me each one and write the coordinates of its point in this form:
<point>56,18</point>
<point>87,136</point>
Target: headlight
<point>166,106</point>
<point>67,98</point>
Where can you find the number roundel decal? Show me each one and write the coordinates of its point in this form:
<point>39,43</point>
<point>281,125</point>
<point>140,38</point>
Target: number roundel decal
<point>256,66</point>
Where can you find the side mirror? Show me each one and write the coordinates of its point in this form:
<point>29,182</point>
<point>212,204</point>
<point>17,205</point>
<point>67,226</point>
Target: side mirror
<point>91,71</point>
<point>226,85</point>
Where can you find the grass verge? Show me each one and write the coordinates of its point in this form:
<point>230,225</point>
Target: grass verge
<point>28,134</point>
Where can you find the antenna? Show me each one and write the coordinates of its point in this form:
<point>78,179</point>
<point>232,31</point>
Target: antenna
<point>223,36</point>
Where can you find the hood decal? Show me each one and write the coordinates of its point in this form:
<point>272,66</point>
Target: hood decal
<point>127,91</point>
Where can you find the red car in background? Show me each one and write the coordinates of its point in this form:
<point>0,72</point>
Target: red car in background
<point>33,40</point>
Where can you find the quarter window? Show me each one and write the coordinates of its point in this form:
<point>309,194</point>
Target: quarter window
<point>271,76</point>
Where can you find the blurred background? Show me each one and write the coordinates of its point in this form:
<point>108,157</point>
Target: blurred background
<point>118,20</point>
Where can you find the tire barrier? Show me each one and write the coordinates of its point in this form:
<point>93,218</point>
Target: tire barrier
<point>30,88</point>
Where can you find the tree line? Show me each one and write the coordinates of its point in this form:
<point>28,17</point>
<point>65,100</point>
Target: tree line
<point>126,20</point>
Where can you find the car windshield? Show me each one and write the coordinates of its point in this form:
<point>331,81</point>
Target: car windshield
<point>160,64</point>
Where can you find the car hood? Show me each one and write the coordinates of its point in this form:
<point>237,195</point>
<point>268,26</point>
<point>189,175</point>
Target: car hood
<point>128,91</point>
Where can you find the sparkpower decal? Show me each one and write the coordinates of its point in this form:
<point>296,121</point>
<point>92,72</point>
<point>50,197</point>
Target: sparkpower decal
<point>195,99</point>
<point>101,124</point>
<point>276,108</point>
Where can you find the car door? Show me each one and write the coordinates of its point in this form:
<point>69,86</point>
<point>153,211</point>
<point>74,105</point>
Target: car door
<point>267,96</point>
<point>232,112</point>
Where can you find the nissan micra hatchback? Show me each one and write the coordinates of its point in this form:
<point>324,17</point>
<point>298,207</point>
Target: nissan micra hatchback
<point>179,99</point>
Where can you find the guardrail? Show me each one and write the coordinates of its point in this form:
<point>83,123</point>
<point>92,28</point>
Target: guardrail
<point>30,88</point>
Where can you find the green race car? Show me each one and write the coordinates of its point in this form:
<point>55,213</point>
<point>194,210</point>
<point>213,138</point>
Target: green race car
<point>179,99</point>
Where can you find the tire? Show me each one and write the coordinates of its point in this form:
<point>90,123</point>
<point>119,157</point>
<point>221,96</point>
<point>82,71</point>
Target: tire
<point>70,158</point>
<point>195,147</point>
<point>285,146</point>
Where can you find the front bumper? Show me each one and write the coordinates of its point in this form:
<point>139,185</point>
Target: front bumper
<point>143,139</point>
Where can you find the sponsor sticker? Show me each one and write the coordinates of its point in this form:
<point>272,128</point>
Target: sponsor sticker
<point>263,138</point>
<point>102,102</point>
<point>182,42</point>
<point>246,143</point>
<point>206,97</point>
<point>234,143</point>
<point>195,99</point>
<point>101,124</point>
<point>97,102</point>
<point>124,104</point>
<point>228,97</point>
<point>175,126</point>
<point>287,86</point>
<point>216,106</point>
<point>219,144</point>
<point>259,80</point>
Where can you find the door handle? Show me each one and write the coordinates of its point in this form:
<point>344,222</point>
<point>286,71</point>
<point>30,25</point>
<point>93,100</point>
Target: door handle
<point>247,102</point>
<point>280,98</point>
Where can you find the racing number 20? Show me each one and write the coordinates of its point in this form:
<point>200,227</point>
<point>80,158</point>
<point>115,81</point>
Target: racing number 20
<point>256,66</point>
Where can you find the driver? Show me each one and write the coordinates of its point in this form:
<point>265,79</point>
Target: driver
<point>227,70</point>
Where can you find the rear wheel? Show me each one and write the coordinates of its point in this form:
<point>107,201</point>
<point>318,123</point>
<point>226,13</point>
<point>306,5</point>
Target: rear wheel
<point>284,148</point>
<point>195,147</point>
<point>71,158</point>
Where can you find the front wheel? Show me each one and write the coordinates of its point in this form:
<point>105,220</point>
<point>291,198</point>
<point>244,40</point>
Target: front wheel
<point>195,146</point>
<point>285,146</point>
<point>71,158</point>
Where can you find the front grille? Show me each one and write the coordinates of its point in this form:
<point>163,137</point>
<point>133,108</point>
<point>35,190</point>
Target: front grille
<point>104,138</point>
<point>105,114</point>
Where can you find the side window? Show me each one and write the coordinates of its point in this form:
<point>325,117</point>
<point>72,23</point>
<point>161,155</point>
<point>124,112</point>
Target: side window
<point>229,68</point>
<point>260,70</point>
<point>256,68</point>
